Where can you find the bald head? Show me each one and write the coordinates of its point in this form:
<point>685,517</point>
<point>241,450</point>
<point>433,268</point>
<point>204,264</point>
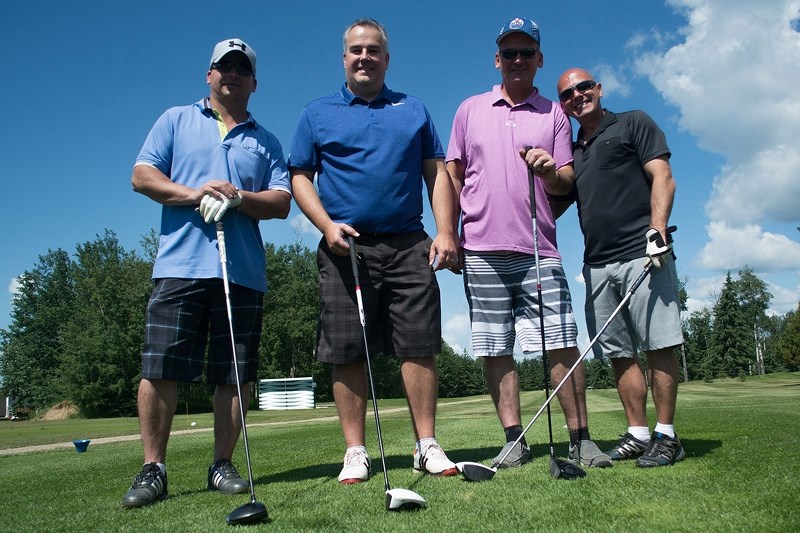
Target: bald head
<point>571,77</point>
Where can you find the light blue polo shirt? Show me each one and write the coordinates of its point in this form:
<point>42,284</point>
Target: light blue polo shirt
<point>186,144</point>
<point>368,157</point>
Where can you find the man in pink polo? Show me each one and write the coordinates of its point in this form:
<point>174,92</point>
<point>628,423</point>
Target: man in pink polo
<point>488,163</point>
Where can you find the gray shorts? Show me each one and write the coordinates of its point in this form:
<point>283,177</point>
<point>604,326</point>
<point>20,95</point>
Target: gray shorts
<point>504,303</point>
<point>400,294</point>
<point>650,321</point>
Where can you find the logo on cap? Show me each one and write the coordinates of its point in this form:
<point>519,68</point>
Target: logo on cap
<point>516,24</point>
<point>232,44</point>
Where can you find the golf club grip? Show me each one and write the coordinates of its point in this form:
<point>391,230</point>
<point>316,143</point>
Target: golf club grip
<point>223,256</point>
<point>531,185</point>
<point>354,265</point>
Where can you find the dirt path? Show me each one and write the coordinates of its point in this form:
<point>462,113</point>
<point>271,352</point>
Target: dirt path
<point>124,438</point>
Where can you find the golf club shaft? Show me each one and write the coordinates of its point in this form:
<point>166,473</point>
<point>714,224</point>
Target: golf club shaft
<point>648,265</point>
<point>223,259</point>
<point>545,361</point>
<point>362,318</point>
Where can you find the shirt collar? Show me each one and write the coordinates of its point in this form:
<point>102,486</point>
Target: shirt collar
<point>350,98</point>
<point>498,98</point>
<point>205,106</point>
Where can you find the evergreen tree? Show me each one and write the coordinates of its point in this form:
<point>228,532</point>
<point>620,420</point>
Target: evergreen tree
<point>697,339</point>
<point>730,348</point>
<point>31,347</point>
<point>599,374</point>
<point>754,299</point>
<point>787,345</point>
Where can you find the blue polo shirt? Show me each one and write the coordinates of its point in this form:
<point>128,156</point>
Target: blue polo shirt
<point>368,157</point>
<point>190,147</point>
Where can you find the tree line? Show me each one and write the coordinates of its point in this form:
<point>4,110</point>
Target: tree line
<point>77,328</point>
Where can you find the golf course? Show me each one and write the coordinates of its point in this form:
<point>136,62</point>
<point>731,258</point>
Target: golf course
<point>741,471</point>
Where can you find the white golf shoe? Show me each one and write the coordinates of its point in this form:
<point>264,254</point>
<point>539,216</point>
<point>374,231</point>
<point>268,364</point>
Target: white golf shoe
<point>433,461</point>
<point>357,466</point>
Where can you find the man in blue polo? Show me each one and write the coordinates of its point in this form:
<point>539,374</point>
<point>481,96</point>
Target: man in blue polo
<point>214,155</point>
<point>370,149</point>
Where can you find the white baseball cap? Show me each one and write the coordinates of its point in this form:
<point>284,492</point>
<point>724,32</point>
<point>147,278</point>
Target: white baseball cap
<point>234,45</point>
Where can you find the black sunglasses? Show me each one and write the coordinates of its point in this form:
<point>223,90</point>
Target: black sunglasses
<point>512,53</point>
<point>581,87</point>
<point>241,68</point>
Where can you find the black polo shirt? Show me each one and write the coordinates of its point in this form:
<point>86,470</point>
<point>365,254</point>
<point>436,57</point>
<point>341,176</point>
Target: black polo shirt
<point>611,188</point>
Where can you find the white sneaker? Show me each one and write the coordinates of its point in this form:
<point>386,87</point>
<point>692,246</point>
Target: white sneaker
<point>357,466</point>
<point>434,461</point>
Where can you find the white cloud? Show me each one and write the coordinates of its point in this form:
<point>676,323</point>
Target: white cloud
<point>612,80</point>
<point>13,286</point>
<point>728,78</point>
<point>457,332</point>
<point>733,248</point>
<point>302,225</point>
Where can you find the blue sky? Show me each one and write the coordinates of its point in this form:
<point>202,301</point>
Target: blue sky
<point>88,79</point>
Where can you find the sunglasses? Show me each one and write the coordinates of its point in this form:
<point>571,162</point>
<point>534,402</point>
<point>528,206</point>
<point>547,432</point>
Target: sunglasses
<point>241,68</point>
<point>581,87</point>
<point>512,53</point>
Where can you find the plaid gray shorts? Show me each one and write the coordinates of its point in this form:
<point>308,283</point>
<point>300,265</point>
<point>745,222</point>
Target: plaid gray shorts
<point>400,294</point>
<point>180,315</point>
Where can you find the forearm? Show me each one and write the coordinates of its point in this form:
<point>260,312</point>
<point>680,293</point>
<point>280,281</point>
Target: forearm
<point>308,200</point>
<point>662,194</point>
<point>266,205</point>
<point>154,184</point>
<point>443,199</point>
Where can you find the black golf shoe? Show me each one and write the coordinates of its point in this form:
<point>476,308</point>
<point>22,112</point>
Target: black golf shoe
<point>628,447</point>
<point>663,450</point>
<point>149,486</point>
<point>224,477</point>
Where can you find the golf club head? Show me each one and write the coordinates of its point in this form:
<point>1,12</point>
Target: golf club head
<point>249,513</point>
<point>475,471</point>
<point>561,469</point>
<point>404,500</point>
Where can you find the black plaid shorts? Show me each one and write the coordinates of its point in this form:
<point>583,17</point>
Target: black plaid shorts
<point>183,315</point>
<point>400,294</point>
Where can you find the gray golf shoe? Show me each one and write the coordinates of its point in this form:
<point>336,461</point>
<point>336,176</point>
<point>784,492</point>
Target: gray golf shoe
<point>519,455</point>
<point>588,454</point>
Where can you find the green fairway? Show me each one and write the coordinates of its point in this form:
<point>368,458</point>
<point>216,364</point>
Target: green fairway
<point>741,472</point>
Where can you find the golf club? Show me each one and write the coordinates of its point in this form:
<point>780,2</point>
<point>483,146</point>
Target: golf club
<point>473,471</point>
<point>253,511</point>
<point>559,468</point>
<point>396,499</point>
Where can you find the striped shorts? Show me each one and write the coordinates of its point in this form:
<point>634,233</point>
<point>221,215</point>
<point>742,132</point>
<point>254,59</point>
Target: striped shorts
<point>504,304</point>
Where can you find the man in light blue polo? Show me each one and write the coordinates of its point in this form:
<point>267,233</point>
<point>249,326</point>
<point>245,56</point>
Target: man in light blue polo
<point>370,149</point>
<point>214,155</point>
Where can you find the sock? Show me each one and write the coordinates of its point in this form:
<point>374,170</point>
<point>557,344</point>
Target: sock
<point>422,444</point>
<point>360,447</point>
<point>577,435</point>
<point>513,433</point>
<point>640,432</point>
<point>666,429</point>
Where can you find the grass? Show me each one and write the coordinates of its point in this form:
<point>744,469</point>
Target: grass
<point>740,473</point>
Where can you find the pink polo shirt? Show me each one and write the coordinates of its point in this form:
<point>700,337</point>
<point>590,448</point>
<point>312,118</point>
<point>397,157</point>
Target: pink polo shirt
<point>486,137</point>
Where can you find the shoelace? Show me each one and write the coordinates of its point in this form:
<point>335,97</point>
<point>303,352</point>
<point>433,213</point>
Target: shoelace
<point>147,477</point>
<point>227,470</point>
<point>352,456</point>
<point>433,450</point>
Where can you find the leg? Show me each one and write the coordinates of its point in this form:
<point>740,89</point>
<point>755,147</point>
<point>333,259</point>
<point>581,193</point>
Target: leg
<point>632,389</point>
<point>664,375</point>
<point>421,384</point>
<point>503,383</point>
<point>157,401</point>
<point>350,395</point>
<point>572,395</point>
<point>227,420</point>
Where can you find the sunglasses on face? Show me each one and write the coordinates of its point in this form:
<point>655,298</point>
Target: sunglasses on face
<point>512,53</point>
<point>581,87</point>
<point>225,68</point>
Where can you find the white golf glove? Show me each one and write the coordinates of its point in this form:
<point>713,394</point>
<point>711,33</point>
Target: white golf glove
<point>658,251</point>
<point>213,208</point>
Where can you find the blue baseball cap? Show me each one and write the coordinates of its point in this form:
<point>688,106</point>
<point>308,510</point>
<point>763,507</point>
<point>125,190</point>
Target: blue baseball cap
<point>520,25</point>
